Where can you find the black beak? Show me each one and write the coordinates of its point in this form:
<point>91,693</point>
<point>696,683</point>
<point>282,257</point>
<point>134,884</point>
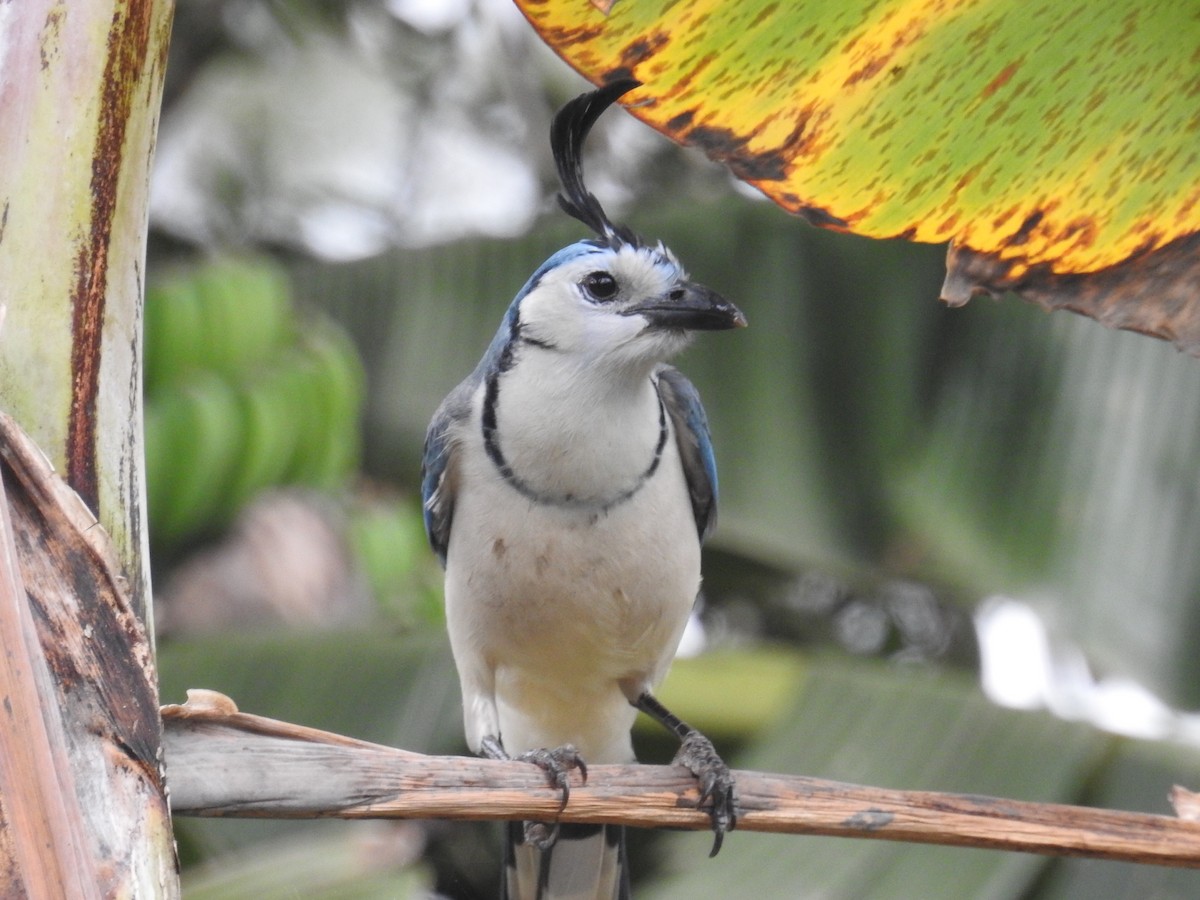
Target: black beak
<point>690,307</point>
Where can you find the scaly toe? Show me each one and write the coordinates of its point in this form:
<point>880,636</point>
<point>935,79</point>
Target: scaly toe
<point>716,784</point>
<point>557,764</point>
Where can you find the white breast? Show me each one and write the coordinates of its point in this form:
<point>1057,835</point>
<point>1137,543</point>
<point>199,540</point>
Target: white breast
<point>565,431</point>
<point>567,610</point>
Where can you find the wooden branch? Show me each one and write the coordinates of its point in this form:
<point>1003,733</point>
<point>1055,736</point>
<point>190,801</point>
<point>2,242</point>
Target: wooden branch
<point>225,763</point>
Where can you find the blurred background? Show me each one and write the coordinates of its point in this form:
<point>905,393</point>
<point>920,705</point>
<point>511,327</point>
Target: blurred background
<point>957,548</point>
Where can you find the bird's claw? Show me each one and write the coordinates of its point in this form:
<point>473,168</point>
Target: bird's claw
<point>541,834</point>
<point>697,754</point>
<point>557,764</point>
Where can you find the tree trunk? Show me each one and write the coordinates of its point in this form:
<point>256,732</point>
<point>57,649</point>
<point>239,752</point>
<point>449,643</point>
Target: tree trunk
<point>82,804</point>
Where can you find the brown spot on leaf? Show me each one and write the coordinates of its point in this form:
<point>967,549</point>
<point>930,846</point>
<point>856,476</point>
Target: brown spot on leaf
<point>803,135</point>
<point>566,37</point>
<point>764,15</point>
<point>822,218</point>
<point>681,121</point>
<point>1031,222</point>
<point>882,56</point>
<point>1002,79</point>
<point>1081,232</point>
<point>643,48</point>
<point>872,68</point>
<point>727,147</point>
<point>1000,221</point>
<point>499,548</point>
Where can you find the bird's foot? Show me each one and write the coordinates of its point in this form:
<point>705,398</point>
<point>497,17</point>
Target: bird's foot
<point>557,764</point>
<point>697,754</point>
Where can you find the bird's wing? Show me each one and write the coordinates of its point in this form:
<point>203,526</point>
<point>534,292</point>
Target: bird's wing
<point>438,482</point>
<point>683,405</point>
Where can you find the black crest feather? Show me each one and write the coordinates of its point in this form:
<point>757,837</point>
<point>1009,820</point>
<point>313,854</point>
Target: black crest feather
<point>567,134</point>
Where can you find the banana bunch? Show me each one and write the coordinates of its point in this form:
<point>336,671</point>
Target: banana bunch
<point>387,537</point>
<point>242,393</point>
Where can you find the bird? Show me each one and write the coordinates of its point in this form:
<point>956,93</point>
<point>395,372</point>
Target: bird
<point>568,483</point>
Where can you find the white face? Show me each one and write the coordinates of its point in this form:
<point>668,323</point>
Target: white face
<point>583,306</point>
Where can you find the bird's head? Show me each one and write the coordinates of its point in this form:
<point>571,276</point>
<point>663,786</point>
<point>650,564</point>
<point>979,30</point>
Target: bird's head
<point>613,296</point>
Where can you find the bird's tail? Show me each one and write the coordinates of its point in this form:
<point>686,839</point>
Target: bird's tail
<point>586,862</point>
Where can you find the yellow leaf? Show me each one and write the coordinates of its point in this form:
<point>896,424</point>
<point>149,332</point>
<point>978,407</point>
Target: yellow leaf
<point>1046,139</point>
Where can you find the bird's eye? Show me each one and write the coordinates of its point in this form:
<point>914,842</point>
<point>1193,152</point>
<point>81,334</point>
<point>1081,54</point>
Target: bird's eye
<point>599,286</point>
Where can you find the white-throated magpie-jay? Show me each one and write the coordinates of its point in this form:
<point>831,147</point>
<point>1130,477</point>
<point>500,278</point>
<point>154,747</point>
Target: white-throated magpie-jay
<point>568,483</point>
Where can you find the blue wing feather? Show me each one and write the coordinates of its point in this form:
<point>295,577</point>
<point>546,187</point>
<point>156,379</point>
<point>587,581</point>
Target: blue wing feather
<point>682,402</point>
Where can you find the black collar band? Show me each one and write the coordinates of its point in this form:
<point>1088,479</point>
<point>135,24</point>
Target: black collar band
<point>491,443</point>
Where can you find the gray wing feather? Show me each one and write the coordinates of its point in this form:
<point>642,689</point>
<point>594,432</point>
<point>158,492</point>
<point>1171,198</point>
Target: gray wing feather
<point>438,482</point>
<point>682,402</point>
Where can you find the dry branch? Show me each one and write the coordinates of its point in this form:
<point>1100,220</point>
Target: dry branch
<point>225,763</point>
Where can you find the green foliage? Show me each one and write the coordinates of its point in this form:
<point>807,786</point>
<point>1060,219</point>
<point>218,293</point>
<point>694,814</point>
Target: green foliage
<point>388,540</point>
<point>224,316</point>
<point>242,393</point>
